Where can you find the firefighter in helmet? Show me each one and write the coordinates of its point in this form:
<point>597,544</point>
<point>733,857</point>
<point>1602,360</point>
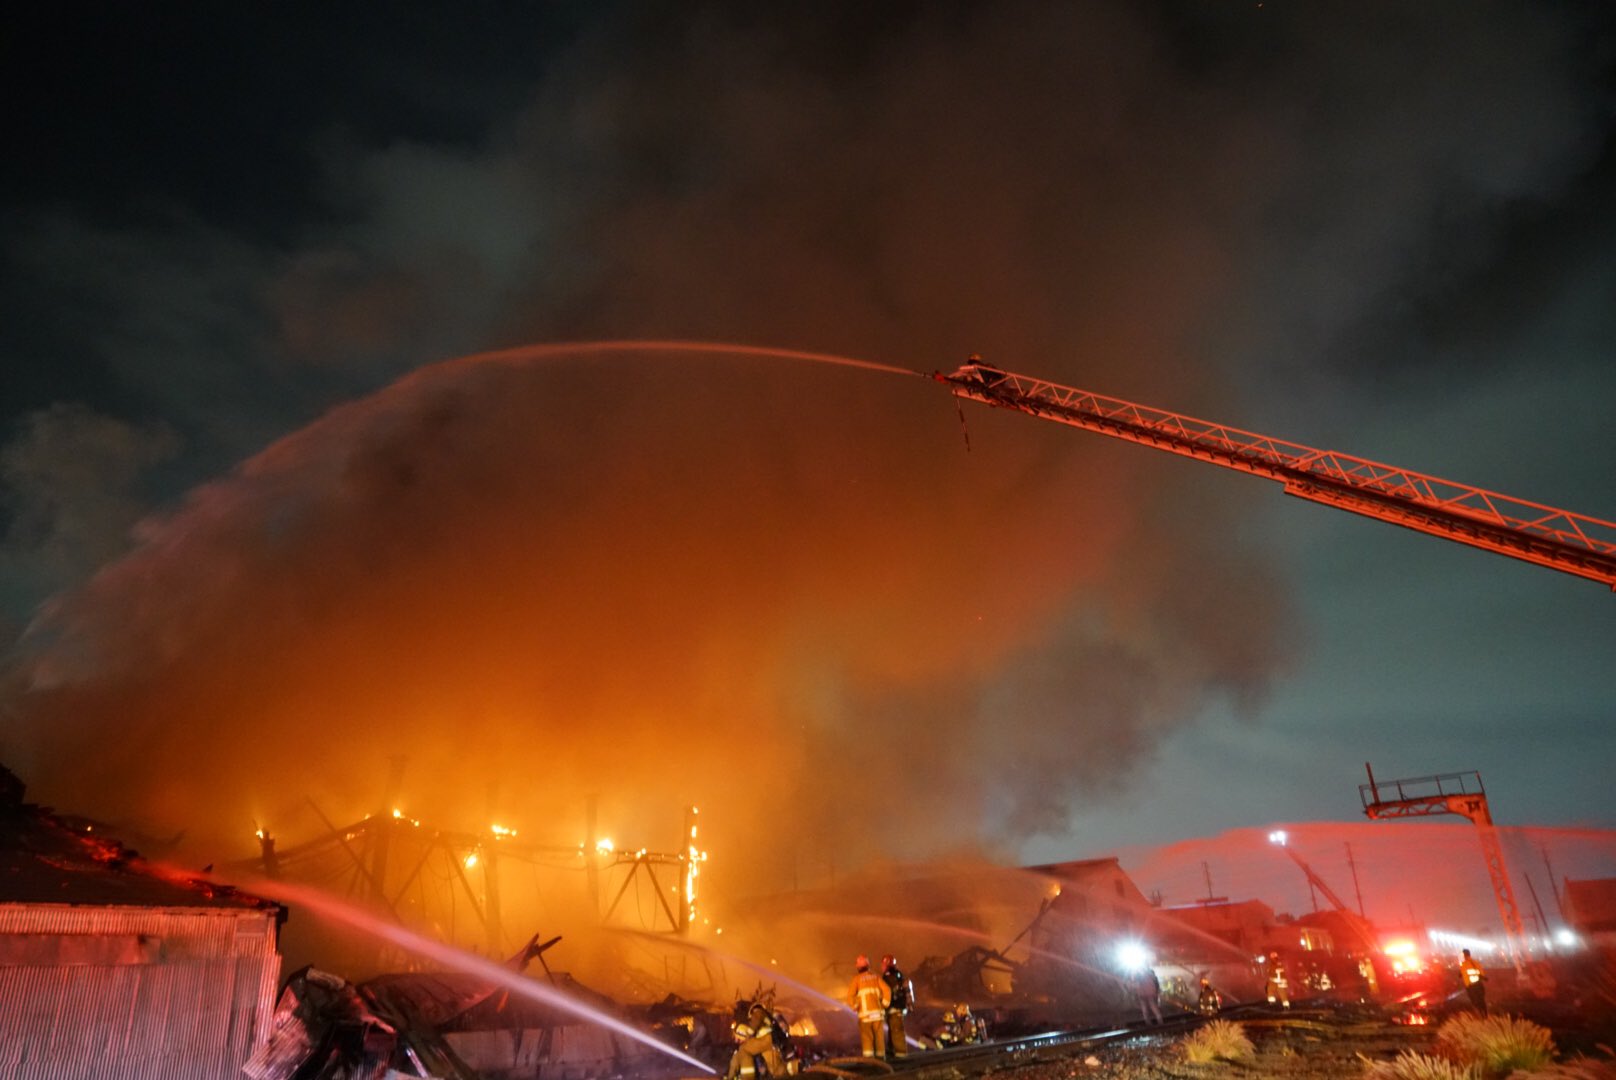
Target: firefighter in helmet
<point>870,997</point>
<point>1278,987</point>
<point>900,995</point>
<point>757,1049</point>
<point>972,1028</point>
<point>1209,1002</point>
<point>1475,981</point>
<point>949,1034</point>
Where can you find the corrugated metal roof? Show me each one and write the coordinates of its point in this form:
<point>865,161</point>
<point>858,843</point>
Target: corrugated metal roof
<point>219,931</point>
<point>44,860</point>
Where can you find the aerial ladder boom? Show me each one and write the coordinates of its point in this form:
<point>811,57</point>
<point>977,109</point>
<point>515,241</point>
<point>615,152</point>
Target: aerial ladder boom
<point>1572,543</point>
<point>1317,882</point>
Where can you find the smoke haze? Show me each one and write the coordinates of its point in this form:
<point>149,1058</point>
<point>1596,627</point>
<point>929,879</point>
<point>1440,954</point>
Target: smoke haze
<point>781,591</point>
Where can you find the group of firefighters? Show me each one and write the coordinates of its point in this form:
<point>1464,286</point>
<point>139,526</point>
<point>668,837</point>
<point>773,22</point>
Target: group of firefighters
<point>882,1000</point>
<point>1471,977</point>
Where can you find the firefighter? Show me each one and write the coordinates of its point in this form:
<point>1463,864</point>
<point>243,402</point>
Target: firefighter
<point>1475,981</point>
<point>1209,1002</point>
<point>1148,989</point>
<point>870,997</point>
<point>947,1035</point>
<point>900,995</point>
<point>978,370</point>
<point>972,1028</point>
<point>757,1047</point>
<point>1278,988</point>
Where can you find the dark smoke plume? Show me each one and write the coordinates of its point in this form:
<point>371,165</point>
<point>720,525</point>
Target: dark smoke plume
<point>782,591</point>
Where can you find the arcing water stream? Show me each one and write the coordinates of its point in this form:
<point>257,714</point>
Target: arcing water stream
<point>451,957</point>
<point>772,973</point>
<point>523,353</point>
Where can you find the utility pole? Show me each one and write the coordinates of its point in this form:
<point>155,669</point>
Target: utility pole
<point>495,928</point>
<point>591,856</point>
<point>1542,920</point>
<point>266,850</point>
<point>1355,889</point>
<point>385,823</point>
<point>1554,882</point>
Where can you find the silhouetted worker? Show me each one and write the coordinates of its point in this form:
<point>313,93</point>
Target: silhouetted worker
<point>1209,1002</point>
<point>870,997</point>
<point>1148,989</point>
<point>972,1028</point>
<point>900,995</point>
<point>1475,981</point>
<point>978,370</point>
<point>1279,991</point>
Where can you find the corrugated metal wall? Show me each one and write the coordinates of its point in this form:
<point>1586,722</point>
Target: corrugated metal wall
<point>193,1013</point>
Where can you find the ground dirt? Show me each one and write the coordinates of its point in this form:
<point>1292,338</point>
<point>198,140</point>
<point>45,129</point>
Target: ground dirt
<point>1300,1047</point>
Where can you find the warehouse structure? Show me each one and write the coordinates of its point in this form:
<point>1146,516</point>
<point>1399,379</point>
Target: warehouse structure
<point>113,968</point>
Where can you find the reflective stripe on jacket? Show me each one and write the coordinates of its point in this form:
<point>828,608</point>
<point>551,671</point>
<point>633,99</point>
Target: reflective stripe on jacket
<point>870,995</point>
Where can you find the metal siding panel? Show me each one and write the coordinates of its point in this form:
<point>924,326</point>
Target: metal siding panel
<point>210,1001</point>
<point>80,991</point>
<point>194,1016</point>
<point>149,1016</point>
<point>249,1018</point>
<point>28,1000</point>
<point>29,1006</point>
<point>181,1029</point>
<point>265,993</point>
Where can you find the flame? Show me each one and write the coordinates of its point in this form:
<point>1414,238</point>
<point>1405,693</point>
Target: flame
<point>604,846</point>
<point>500,830</point>
<point>693,858</point>
<point>471,860</point>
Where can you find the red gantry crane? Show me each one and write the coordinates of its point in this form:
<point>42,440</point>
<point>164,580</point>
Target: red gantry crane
<point>1572,543</point>
<point>1462,794</point>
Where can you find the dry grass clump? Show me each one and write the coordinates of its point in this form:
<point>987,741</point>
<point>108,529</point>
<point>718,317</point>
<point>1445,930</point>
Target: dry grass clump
<point>1220,1040</point>
<point>1499,1045</point>
<point>1411,1066</point>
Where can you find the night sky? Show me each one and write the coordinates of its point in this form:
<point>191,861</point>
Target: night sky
<point>261,529</point>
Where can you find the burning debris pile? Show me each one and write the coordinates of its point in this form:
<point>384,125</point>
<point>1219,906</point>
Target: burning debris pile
<point>452,1025</point>
<point>461,1027</point>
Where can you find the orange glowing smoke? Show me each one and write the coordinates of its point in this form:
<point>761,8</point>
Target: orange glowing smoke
<point>763,586</point>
